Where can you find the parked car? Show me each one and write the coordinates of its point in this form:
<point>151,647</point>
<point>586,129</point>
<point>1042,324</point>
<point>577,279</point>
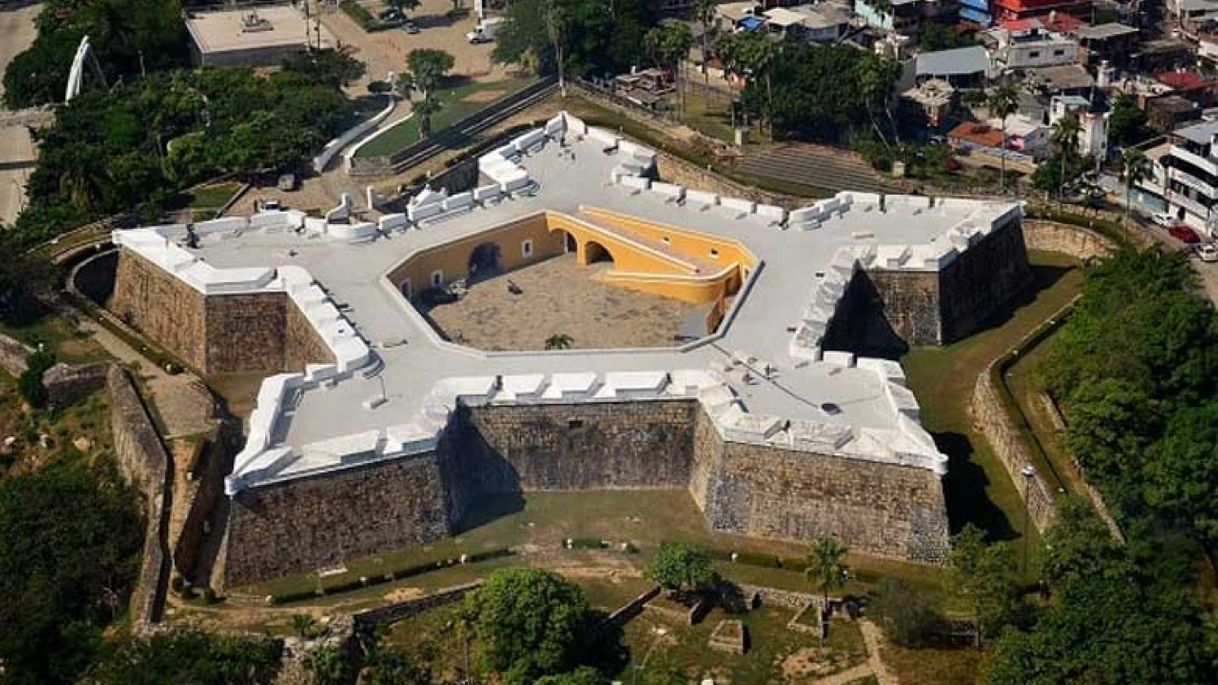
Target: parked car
<point>1163,219</point>
<point>410,27</point>
<point>390,14</point>
<point>1184,234</point>
<point>1208,252</point>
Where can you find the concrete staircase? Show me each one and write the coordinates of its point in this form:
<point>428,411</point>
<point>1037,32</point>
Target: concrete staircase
<point>816,167</point>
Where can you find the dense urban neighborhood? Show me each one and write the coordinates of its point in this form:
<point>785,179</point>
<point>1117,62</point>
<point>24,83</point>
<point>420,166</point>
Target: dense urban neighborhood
<point>577,342</point>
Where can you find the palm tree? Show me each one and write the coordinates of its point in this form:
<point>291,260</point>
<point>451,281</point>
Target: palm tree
<point>559,341</point>
<point>425,109</point>
<point>302,625</point>
<point>827,572</point>
<point>1002,103</point>
<point>704,12</point>
<point>1135,168</point>
<point>556,27</point>
<point>875,80</point>
<point>1064,137</point>
<point>669,45</point>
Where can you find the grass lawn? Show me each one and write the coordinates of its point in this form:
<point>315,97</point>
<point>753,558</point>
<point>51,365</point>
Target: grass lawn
<point>456,103</point>
<point>652,646</point>
<point>60,337</point>
<point>539,523</point>
<point>212,196</point>
<point>977,487</point>
<point>956,666</point>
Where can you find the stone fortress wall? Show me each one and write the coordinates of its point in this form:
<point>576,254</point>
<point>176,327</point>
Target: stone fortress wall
<point>302,525</point>
<point>234,333</point>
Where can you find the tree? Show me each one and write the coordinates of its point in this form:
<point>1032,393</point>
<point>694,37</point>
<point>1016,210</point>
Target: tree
<point>1135,168</point>
<point>584,675</point>
<point>333,68</point>
<point>1181,472</point>
<point>984,577</point>
<point>303,625</point>
<point>329,666</point>
<point>425,69</point>
<point>69,538</point>
<point>911,616</point>
<point>1003,102</point>
<point>386,666</point>
<point>559,341</point>
<point>529,623</point>
<point>1079,546</point>
<point>404,6</point>
<point>704,13</point>
<point>1125,121</point>
<point>189,656</point>
<point>679,567</point>
<point>1064,138</point>
<point>668,46</point>
<point>555,17</point>
<point>828,571</point>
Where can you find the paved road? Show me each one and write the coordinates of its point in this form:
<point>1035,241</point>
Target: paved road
<point>16,149</point>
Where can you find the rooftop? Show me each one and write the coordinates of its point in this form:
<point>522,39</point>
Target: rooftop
<point>1105,31</point>
<point>1201,134</point>
<point>262,27</point>
<point>959,61</point>
<point>777,321</point>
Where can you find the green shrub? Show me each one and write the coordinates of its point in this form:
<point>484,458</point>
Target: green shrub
<point>753,559</point>
<point>30,383</point>
<point>365,19</point>
<point>911,616</point>
<point>378,87</point>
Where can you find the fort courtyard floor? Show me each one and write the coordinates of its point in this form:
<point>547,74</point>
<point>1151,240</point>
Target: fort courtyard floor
<point>559,297</point>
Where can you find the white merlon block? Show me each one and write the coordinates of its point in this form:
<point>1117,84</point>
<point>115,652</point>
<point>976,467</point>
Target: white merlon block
<point>459,201</point>
<point>604,137</point>
<point>701,197</point>
<point>314,224</point>
<point>556,126</point>
<point>227,225</point>
<point>529,140</point>
<point>773,212</point>
<point>636,182</point>
<point>391,222</point>
<point>513,181</point>
<point>487,193</point>
<point>424,211</point>
<point>668,189</point>
<point>838,358</point>
<point>738,204</point>
<point>575,124</point>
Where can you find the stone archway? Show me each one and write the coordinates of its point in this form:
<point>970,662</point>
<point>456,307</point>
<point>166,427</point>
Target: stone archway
<point>485,260</point>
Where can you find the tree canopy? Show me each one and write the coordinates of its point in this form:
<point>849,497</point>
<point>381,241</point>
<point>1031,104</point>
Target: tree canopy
<point>596,38</point>
<point>129,37</point>
<point>70,539</point>
<point>678,566</point>
<point>529,623</point>
<point>188,656</point>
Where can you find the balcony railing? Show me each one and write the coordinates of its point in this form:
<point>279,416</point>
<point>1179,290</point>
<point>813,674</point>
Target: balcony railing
<point>1189,205</point>
<point>1192,182</point>
<point>1195,159</point>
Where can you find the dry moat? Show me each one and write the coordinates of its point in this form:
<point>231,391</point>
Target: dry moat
<point>557,296</point>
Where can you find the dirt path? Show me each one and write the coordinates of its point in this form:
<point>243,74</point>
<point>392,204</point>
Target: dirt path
<point>874,637</point>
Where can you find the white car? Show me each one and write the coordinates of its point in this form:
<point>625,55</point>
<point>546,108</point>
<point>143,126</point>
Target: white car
<point>1208,252</point>
<point>1163,219</point>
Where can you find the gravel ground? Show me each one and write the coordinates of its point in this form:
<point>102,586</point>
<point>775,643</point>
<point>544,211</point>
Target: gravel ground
<point>560,297</point>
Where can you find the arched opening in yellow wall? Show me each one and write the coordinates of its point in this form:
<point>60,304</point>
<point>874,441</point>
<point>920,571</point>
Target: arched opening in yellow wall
<point>595,252</point>
<point>485,260</point>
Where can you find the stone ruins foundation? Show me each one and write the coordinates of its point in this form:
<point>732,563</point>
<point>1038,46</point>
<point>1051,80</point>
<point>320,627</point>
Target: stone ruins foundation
<point>372,432</point>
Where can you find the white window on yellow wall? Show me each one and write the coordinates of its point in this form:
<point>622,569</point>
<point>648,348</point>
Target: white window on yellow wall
<point>526,249</point>
<point>437,278</point>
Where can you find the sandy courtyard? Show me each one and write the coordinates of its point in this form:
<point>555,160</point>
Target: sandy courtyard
<point>560,298</point>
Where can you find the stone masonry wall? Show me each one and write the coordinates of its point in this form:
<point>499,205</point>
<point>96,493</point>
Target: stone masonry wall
<point>219,334</point>
<point>982,282</point>
<point>311,523</point>
<point>606,445</point>
<point>162,307</point>
<point>882,509</point>
<point>1049,236</point>
<point>245,333</point>
<point>991,418</point>
<point>909,301</point>
<point>143,462</point>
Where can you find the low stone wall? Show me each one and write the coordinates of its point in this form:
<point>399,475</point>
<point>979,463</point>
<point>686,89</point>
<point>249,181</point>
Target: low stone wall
<point>990,417</point>
<point>786,598</point>
<point>629,610</point>
<point>1050,236</point>
<point>398,611</point>
<point>145,465</point>
<point>12,355</point>
<point>67,383</point>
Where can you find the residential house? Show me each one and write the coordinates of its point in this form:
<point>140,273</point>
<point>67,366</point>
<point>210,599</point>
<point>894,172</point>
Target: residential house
<point>904,16</point>
<point>1092,119</point>
<point>1031,48</point>
<point>1112,43</point>
<point>968,67</point>
<point>1192,174</point>
<point>1024,9</point>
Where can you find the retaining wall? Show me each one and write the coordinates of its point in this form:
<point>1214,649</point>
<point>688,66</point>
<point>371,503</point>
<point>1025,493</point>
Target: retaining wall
<point>143,462</point>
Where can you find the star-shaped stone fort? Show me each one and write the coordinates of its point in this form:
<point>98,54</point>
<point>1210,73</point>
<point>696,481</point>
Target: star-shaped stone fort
<point>373,431</point>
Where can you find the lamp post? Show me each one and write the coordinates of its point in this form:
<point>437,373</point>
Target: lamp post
<point>1027,471</point>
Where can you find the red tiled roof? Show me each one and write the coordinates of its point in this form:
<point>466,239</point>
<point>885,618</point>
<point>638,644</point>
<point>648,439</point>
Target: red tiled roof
<point>1182,80</point>
<point>977,133</point>
<point>1059,22</point>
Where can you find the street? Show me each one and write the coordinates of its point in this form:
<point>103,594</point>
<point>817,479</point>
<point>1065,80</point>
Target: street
<point>16,149</point>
